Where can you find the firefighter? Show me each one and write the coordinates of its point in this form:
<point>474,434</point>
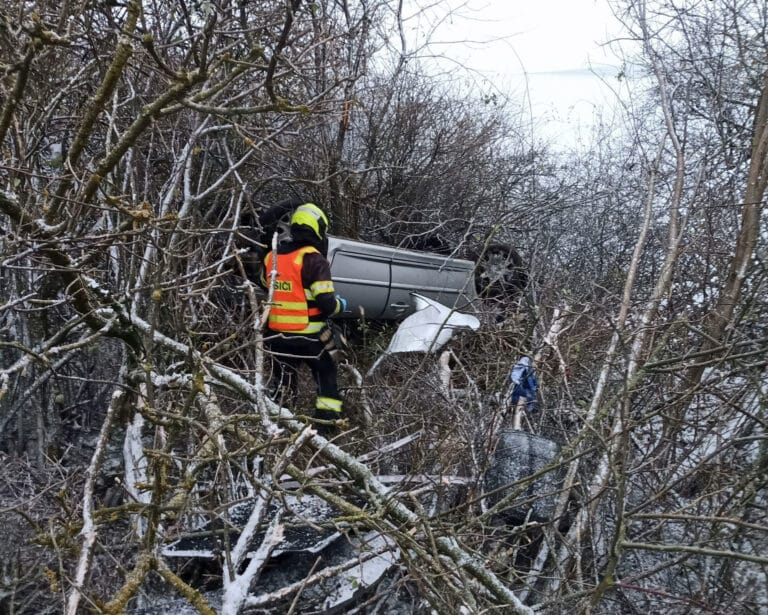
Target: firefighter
<point>304,298</point>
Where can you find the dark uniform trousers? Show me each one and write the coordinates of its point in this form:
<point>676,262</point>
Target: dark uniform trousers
<point>289,351</point>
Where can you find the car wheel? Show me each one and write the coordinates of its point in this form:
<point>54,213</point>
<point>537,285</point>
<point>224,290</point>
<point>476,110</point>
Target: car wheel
<point>256,231</point>
<point>501,272</point>
<point>277,218</point>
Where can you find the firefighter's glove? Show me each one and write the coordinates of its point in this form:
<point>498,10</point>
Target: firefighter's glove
<point>342,303</point>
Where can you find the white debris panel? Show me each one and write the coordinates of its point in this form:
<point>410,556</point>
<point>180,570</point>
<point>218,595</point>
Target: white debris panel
<point>428,329</point>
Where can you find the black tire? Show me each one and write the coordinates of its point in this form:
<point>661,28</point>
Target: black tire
<point>256,231</point>
<point>277,218</point>
<point>261,226</point>
<point>501,272</point>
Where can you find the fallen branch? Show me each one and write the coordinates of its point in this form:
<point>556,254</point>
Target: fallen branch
<point>377,494</point>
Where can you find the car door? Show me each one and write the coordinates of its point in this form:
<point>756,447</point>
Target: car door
<point>361,274</point>
<point>446,280</point>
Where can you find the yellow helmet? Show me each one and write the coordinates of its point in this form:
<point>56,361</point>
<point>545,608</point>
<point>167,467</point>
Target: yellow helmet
<point>312,216</point>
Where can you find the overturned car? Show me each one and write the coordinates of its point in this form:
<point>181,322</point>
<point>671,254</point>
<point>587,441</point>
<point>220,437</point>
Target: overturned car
<point>378,280</point>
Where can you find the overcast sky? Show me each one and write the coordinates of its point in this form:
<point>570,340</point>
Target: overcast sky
<point>543,53</point>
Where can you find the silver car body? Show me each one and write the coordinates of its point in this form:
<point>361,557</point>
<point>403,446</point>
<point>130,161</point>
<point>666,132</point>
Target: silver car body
<point>380,279</point>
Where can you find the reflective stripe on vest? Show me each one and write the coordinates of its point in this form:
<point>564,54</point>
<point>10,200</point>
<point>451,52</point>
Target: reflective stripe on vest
<point>290,311</point>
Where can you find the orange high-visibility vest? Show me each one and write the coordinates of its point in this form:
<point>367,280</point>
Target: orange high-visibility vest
<point>290,310</point>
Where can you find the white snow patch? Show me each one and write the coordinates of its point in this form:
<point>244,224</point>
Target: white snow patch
<point>136,468</point>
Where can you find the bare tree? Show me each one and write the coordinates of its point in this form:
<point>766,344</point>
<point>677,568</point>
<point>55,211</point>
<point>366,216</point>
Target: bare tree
<point>666,407</point>
<point>132,373</point>
<point>126,174</point>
